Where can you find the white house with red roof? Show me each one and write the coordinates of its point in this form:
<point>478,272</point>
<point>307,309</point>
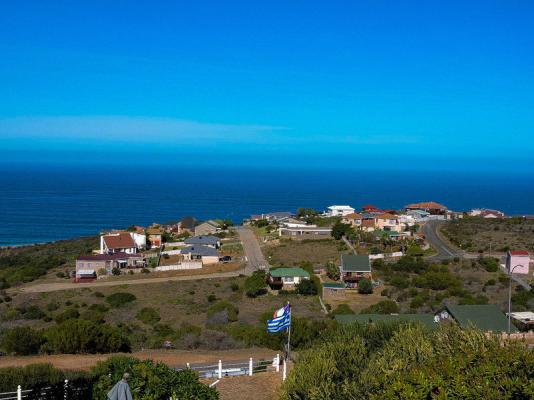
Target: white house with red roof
<point>518,261</point>
<point>119,242</point>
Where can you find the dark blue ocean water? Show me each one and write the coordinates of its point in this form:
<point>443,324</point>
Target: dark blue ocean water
<point>39,204</point>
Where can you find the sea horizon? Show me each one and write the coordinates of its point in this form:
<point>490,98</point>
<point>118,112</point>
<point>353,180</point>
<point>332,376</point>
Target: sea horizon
<point>42,202</point>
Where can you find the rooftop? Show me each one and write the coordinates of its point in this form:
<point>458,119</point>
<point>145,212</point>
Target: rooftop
<point>120,241</point>
<point>427,205</point>
<point>340,208</point>
<point>200,250</point>
<point>519,253</point>
<point>486,317</point>
<point>283,272</point>
<point>355,263</point>
<point>108,257</point>
<point>203,240</point>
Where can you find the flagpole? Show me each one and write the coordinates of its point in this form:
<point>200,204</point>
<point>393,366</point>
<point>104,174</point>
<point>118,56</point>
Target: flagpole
<point>289,333</point>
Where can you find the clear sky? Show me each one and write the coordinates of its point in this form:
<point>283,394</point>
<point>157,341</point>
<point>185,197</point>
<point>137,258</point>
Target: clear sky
<point>352,83</point>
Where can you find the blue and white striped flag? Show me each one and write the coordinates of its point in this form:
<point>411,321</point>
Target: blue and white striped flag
<point>281,320</point>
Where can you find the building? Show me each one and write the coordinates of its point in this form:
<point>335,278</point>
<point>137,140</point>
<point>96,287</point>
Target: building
<point>368,225</point>
<point>486,213</point>
<point>370,208</point>
<point>429,206</point>
<point>353,219</point>
<point>306,232</point>
<point>524,318</point>
<point>354,268</point>
<point>207,228</point>
<point>155,237</point>
<point>519,261</point>
<point>486,317</point>
<point>91,266</point>
<point>339,211</point>
<point>211,241</point>
<point>287,278</point>
<point>187,225</point>
<point>388,222</point>
<point>333,290</point>
<point>273,216</point>
<point>294,223</point>
<point>206,254</point>
<point>119,242</point>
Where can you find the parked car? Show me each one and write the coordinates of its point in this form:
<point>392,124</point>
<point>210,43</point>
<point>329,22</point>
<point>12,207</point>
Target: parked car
<point>225,259</point>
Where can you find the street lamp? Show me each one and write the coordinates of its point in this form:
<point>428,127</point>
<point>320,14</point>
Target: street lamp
<point>510,297</point>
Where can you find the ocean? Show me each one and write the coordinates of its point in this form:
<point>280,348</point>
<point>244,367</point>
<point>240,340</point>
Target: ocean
<point>45,203</point>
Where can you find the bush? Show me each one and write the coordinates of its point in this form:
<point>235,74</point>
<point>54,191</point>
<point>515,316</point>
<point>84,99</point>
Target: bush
<point>116,271</point>
<point>148,315</point>
<point>256,285</point>
<point>365,286</point>
<point>21,340</point>
<point>306,287</point>
<point>382,307</point>
<point>234,286</point>
<point>211,298</point>
<point>332,271</point>
<point>82,336</point>
<point>149,380</point>
<point>70,313</point>
<point>32,312</point>
<point>145,271</point>
<point>490,264</point>
<point>120,298</point>
<point>232,310</point>
<point>342,309</point>
<point>340,229</point>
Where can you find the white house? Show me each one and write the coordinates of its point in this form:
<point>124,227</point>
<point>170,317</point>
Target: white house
<point>339,211</point>
<point>518,261</point>
<point>118,242</point>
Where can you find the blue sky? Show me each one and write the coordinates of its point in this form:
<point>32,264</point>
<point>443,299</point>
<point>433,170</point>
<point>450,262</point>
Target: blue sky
<point>279,83</point>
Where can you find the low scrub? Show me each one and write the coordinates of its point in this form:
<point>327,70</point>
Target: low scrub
<point>120,298</point>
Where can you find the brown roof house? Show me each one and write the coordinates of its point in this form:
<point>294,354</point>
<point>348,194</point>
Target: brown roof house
<point>154,236</point>
<point>429,206</point>
<point>353,219</point>
<point>120,242</point>
<point>89,267</point>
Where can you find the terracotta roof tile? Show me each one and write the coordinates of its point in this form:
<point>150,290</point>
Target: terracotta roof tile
<point>120,241</point>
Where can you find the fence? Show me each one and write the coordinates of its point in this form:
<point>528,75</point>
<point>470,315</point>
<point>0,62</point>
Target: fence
<point>82,390</point>
<point>387,255</point>
<point>182,266</point>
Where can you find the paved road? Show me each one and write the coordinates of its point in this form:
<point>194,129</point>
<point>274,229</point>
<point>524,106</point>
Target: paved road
<point>251,246</point>
<point>52,287</point>
<point>445,251</point>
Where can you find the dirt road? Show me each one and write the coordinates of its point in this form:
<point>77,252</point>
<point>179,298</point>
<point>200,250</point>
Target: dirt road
<point>255,258</point>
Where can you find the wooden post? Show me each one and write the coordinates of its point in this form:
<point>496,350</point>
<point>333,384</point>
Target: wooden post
<point>250,367</point>
<point>284,371</point>
<point>19,393</point>
<point>220,369</point>
<point>278,362</point>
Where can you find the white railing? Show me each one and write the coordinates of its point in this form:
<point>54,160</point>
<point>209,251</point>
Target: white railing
<point>386,255</point>
<point>182,266</point>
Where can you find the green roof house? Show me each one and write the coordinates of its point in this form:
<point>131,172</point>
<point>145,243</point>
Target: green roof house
<point>355,267</point>
<point>486,317</point>
<point>286,278</point>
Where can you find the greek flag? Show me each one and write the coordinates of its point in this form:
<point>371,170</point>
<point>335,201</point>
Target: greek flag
<point>281,320</point>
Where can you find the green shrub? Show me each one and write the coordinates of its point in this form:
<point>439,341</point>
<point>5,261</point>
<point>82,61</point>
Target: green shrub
<point>120,298</point>
<point>342,309</point>
<point>82,336</point>
<point>256,285</point>
<point>149,380</point>
<point>70,313</point>
<point>40,375</point>
<point>490,264</point>
<point>211,298</point>
<point>148,315</point>
<point>21,340</point>
<point>234,286</point>
<point>306,287</point>
<point>365,286</point>
<point>232,310</point>
<point>382,307</point>
<point>31,312</point>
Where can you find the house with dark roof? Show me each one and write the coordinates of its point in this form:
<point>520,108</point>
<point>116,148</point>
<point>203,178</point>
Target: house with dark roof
<point>206,254</point>
<point>353,268</point>
<point>276,216</point>
<point>211,241</point>
<point>486,317</point>
<point>90,266</point>
<point>287,278</point>
<point>119,242</point>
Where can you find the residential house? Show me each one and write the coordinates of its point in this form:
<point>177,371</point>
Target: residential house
<point>388,222</point>
<point>187,225</point>
<point>486,213</point>
<point>273,217</point>
<point>207,228</point>
<point>211,241</point>
<point>339,211</point>
<point>119,242</point>
<point>418,215</point>
<point>368,225</point>
<point>429,206</point>
<point>206,254</point>
<point>287,278</point>
<point>333,290</point>
<point>525,319</point>
<point>89,267</point>
<point>294,223</point>
<point>518,261</point>
<point>407,220</point>
<point>306,232</point>
<point>486,317</point>
<point>155,236</point>
<point>370,208</point>
<point>354,268</point>
<point>353,219</point>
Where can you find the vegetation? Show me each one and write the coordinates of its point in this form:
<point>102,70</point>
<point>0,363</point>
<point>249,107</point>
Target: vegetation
<point>148,315</point>
<point>340,229</point>
<point>307,287</point>
<point>365,286</point>
<point>386,361</point>
<point>256,285</point>
<point>119,299</point>
<point>224,306</point>
<point>27,263</point>
<point>306,212</point>
<point>21,340</point>
<point>38,376</point>
<point>332,271</point>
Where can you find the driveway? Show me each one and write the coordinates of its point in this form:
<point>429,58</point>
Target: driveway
<point>251,246</point>
<point>445,250</point>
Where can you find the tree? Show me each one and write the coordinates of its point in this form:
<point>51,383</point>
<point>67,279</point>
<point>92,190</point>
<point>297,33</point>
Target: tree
<point>306,212</point>
<point>332,271</point>
<point>340,229</point>
<point>365,286</point>
<point>21,340</point>
<point>306,287</point>
<point>256,284</point>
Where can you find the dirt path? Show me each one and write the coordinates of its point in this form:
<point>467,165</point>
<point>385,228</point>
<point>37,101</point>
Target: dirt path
<point>255,257</point>
<point>52,287</point>
<point>173,358</point>
<point>262,386</point>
